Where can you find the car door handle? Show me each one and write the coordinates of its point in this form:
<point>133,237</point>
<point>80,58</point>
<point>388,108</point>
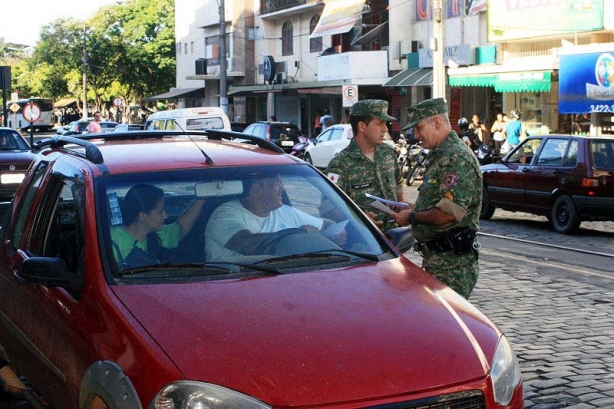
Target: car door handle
<point>525,170</point>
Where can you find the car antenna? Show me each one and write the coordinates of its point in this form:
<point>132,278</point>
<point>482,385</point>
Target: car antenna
<point>208,159</point>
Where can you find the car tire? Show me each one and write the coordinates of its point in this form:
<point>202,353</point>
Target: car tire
<point>106,385</point>
<point>308,159</point>
<point>565,218</point>
<point>488,209</point>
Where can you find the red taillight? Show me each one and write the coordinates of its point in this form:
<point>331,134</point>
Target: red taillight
<point>590,182</point>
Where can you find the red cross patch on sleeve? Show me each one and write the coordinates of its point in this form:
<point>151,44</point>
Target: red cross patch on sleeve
<point>450,180</point>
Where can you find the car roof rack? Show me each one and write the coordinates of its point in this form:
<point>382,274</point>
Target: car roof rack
<point>92,153</point>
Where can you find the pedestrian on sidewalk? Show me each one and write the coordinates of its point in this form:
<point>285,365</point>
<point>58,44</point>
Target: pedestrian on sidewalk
<point>445,217</point>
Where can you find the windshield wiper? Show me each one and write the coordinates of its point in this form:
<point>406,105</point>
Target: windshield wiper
<point>321,254</point>
<point>198,268</point>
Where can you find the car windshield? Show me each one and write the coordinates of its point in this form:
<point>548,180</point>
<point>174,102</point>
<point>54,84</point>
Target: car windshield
<point>10,140</point>
<point>213,224</point>
<point>276,131</point>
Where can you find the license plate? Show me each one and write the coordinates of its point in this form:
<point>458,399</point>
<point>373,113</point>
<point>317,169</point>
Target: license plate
<point>287,143</point>
<point>11,179</point>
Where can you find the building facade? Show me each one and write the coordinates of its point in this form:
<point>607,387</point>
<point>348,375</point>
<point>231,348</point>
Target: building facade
<point>293,58</point>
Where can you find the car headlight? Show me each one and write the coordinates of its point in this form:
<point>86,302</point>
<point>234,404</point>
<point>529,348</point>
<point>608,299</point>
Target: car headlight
<point>504,372</point>
<point>201,395</point>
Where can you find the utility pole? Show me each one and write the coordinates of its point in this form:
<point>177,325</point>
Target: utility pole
<point>84,112</point>
<point>438,47</point>
<point>223,68</point>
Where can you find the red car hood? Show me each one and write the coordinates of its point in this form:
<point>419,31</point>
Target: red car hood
<point>309,338</point>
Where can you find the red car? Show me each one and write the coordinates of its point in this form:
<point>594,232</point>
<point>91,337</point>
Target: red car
<point>336,317</point>
<point>567,178</point>
<point>15,158</point>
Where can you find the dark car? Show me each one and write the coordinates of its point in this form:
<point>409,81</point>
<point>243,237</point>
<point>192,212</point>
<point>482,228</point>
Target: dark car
<point>294,319</point>
<point>283,134</point>
<point>568,179</point>
<point>15,158</point>
<point>238,126</point>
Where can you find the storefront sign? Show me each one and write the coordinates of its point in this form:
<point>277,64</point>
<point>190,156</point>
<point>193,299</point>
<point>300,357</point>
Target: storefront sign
<point>512,20</point>
<point>586,83</point>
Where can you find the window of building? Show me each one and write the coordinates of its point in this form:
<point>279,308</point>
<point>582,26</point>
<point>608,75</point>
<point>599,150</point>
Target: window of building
<point>192,47</point>
<point>185,48</point>
<point>287,39</point>
<point>315,44</point>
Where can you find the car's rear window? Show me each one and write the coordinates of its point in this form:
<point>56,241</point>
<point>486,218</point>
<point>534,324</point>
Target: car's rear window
<point>275,131</point>
<point>603,154</point>
<point>204,123</point>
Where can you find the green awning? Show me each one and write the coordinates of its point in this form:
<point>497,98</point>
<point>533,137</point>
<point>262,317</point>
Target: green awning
<point>472,80</point>
<point>539,81</point>
<point>523,82</point>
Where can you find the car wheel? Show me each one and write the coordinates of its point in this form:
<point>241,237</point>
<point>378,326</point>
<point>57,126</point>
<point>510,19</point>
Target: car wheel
<point>487,207</point>
<point>106,386</point>
<point>565,218</point>
<point>308,159</point>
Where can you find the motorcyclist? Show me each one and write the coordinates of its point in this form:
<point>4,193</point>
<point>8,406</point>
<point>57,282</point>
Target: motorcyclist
<point>468,135</point>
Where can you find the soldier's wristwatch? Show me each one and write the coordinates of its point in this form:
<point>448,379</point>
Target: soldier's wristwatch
<point>412,218</point>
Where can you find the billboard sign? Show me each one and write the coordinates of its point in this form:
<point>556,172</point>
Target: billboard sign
<point>586,83</point>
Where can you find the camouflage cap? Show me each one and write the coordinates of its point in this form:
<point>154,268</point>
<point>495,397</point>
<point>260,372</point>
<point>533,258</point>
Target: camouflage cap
<point>425,109</point>
<point>372,107</point>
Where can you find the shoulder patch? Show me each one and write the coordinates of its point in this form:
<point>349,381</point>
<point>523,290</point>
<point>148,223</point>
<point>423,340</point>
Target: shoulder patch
<point>448,195</point>
<point>333,177</point>
<point>450,180</point>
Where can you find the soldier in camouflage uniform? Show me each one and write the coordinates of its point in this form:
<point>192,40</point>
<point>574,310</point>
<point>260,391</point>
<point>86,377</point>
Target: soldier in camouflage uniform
<point>367,164</point>
<point>445,218</point>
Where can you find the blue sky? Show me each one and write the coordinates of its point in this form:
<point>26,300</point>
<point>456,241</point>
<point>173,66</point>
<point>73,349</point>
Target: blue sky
<point>22,20</point>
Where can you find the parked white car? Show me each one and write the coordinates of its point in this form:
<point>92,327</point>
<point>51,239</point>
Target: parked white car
<point>329,143</point>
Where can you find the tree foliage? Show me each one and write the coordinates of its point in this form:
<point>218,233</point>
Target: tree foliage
<point>128,50</point>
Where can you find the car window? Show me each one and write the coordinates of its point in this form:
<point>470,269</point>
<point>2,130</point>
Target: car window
<point>8,140</point>
<point>25,205</point>
<point>325,136</point>
<point>158,124</point>
<point>552,153</point>
<point>524,153</point>
<point>304,190</point>
<point>204,123</point>
<point>572,153</point>
<point>170,125</point>
<point>603,154</point>
<point>336,134</point>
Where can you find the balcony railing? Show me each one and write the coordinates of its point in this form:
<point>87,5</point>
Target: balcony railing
<point>270,6</point>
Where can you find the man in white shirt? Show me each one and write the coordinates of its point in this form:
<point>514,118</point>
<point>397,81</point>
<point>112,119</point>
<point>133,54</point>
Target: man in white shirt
<point>239,227</point>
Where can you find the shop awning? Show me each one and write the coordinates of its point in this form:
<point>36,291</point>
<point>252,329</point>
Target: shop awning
<point>178,93</point>
<point>414,77</point>
<point>338,17</point>
<point>63,103</point>
<point>536,81</point>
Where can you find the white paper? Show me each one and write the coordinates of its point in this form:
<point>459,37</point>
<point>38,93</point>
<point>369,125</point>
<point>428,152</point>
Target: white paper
<point>334,229</point>
<point>381,207</point>
<point>388,202</point>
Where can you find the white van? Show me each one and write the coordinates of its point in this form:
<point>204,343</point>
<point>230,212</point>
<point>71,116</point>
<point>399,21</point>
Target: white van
<point>189,119</point>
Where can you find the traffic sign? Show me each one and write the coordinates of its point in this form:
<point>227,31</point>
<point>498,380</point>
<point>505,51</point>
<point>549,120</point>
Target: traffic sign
<point>117,101</point>
<point>31,112</point>
<point>14,107</point>
<point>350,95</point>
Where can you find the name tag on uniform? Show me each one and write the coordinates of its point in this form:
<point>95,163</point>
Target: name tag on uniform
<point>361,186</point>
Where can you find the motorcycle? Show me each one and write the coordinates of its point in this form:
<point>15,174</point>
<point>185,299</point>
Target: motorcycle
<point>419,157</point>
<point>403,159</point>
<point>485,154</point>
<point>298,149</point>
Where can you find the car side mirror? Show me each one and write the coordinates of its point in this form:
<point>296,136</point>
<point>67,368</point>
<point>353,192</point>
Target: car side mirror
<point>50,272</point>
<point>401,237</point>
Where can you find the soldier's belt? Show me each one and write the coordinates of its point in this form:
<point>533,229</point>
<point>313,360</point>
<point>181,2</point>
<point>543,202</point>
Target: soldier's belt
<point>461,240</point>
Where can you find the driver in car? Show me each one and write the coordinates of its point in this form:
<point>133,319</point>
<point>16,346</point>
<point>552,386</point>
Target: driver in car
<point>260,223</point>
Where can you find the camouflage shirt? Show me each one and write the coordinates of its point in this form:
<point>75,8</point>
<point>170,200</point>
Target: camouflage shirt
<point>453,172</point>
<point>358,175</point>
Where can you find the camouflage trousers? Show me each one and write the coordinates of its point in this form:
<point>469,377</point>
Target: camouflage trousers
<point>457,271</point>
